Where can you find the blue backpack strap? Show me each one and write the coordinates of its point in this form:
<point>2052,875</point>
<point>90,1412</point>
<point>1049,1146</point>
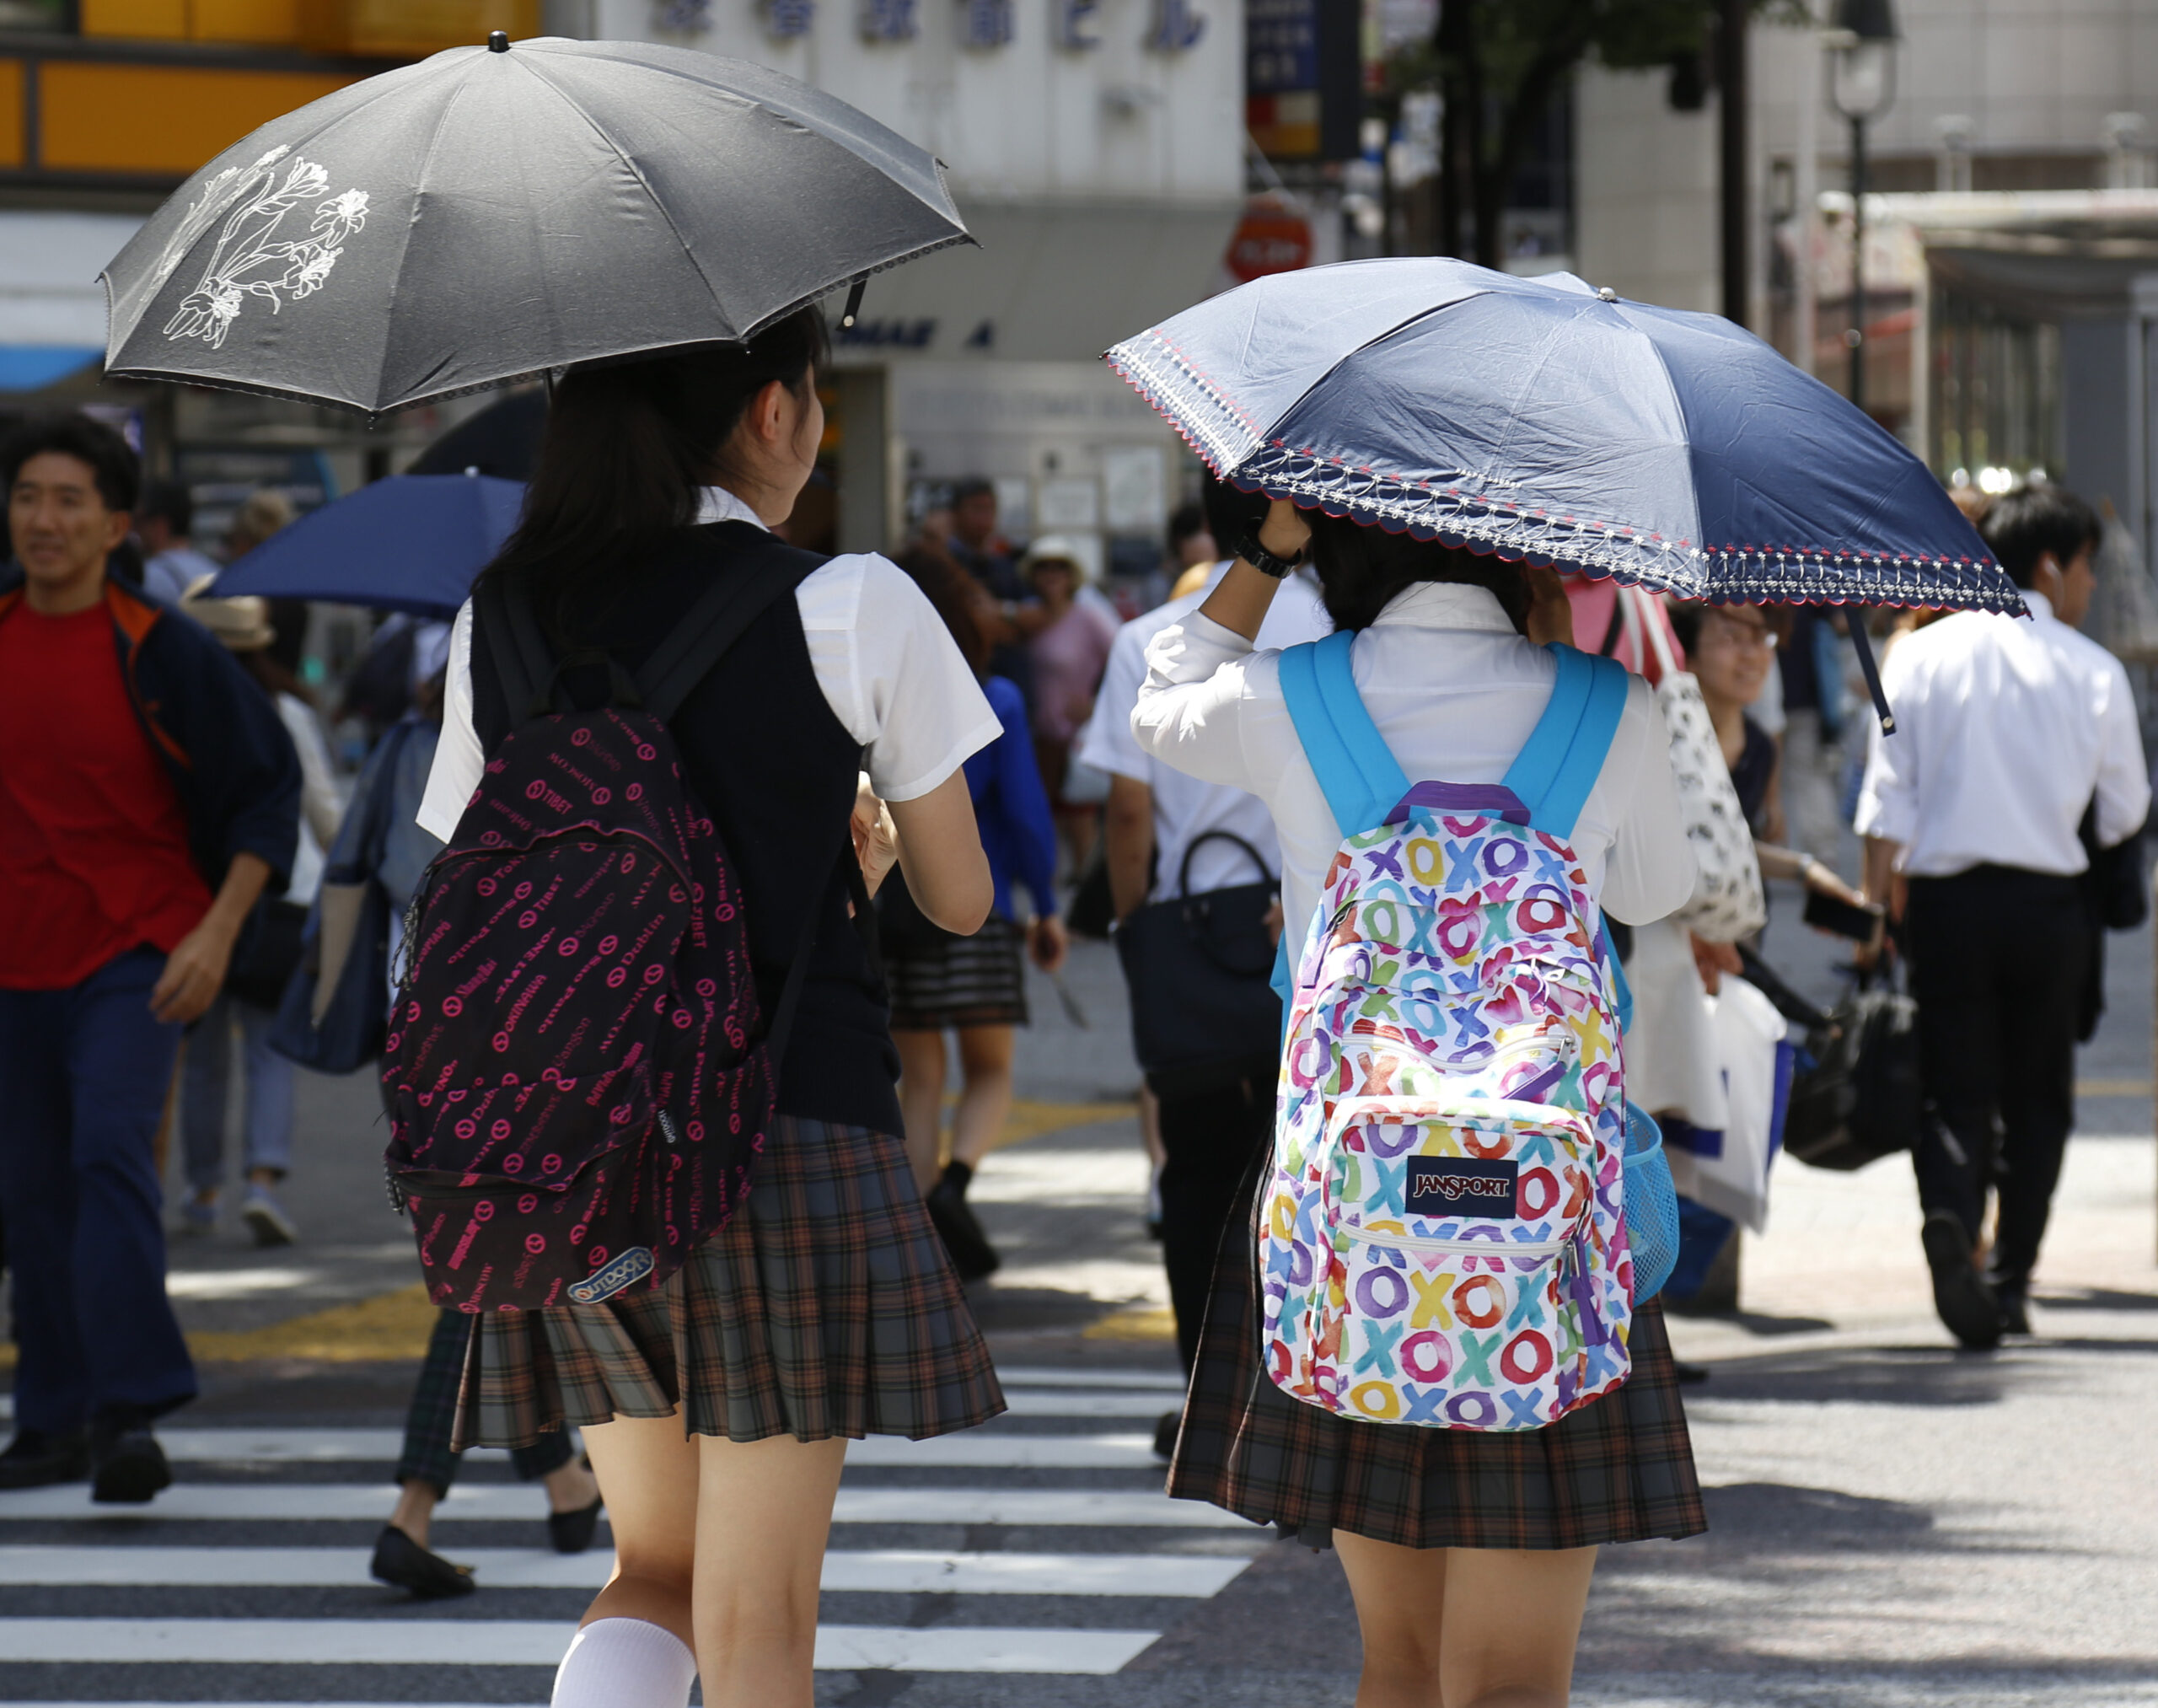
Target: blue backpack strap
<point>1360,777</point>
<point>1563,755</point>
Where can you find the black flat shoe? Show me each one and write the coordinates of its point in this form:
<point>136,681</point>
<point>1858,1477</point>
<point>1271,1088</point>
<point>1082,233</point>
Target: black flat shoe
<point>972,1254</point>
<point>403,1564</point>
<point>1165,1434</point>
<point>37,1458</point>
<point>571,1532</point>
<point>1964,1303</point>
<point>1688,1374</point>
<point>129,1470</point>
<point>2014,1308</point>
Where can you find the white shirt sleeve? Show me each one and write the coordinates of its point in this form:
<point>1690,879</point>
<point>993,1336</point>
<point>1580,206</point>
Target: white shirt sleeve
<point>1109,744</point>
<point>1649,870</point>
<point>459,759</point>
<point>892,674</point>
<point>2124,778</point>
<point>1888,791</point>
<point>1187,712</point>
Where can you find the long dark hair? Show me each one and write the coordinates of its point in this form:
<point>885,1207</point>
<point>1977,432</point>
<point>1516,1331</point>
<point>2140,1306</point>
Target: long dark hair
<point>1360,568</point>
<point>628,446</point>
<point>953,592</point>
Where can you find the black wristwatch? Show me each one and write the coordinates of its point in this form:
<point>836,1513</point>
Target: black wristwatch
<point>1265,561</point>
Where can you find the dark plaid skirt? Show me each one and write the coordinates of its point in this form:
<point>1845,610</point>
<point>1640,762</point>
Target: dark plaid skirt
<point>978,980</point>
<point>1618,1469</point>
<point>825,1308</point>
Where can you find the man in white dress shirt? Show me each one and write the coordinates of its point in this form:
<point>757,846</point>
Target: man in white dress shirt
<point>2007,732</point>
<point>1210,1135</point>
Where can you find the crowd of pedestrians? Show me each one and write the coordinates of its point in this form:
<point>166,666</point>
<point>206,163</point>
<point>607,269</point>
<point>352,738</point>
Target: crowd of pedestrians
<point>951,744</point>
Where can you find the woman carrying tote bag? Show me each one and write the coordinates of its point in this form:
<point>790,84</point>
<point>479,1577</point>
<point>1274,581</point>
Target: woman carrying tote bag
<point>1469,1551</point>
<point>717,1409</point>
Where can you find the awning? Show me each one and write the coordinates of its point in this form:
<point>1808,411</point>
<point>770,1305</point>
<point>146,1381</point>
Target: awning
<point>2051,253</point>
<point>51,306</point>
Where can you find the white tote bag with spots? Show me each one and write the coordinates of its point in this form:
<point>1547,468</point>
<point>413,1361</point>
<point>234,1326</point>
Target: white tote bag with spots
<point>1727,903</point>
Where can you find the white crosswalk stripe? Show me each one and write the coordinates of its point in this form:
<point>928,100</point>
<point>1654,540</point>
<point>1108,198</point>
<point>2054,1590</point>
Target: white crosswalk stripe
<point>1090,1607</point>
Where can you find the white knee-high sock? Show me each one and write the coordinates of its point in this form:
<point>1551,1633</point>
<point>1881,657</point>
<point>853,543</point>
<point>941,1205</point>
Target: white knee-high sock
<point>625,1664</point>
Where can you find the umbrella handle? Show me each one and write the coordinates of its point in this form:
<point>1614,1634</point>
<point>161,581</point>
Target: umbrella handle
<point>1868,669</point>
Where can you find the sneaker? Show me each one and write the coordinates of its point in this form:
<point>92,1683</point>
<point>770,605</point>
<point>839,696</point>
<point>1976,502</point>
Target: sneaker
<point>128,1467</point>
<point>37,1458</point>
<point>1966,1304</point>
<point>265,1216</point>
<point>197,1219</point>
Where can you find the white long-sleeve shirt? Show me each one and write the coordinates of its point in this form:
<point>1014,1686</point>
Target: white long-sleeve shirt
<point>2005,730</point>
<point>1455,692</point>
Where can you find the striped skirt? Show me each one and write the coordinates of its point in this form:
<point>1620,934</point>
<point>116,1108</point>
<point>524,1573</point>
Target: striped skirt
<point>825,1308</point>
<point>1618,1469</point>
<point>978,980</point>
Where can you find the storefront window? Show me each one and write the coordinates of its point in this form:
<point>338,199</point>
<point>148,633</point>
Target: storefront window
<point>1996,392</point>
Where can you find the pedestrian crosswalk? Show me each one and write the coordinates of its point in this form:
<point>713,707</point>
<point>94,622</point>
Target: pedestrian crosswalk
<point>1041,1545</point>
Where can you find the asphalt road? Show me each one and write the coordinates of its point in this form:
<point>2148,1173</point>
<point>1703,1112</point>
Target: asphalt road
<point>1893,1522</point>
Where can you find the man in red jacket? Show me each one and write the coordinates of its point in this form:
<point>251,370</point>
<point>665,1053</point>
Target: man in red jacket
<point>148,797</point>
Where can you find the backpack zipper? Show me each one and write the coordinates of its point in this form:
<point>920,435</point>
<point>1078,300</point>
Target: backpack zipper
<point>1541,1249</point>
<point>667,1127</point>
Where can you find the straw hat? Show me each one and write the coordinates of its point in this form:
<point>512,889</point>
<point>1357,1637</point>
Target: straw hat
<point>242,624</point>
<point>1055,548</point>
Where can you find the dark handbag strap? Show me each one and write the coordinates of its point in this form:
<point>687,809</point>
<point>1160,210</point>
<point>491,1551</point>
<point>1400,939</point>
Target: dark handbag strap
<point>1184,866</point>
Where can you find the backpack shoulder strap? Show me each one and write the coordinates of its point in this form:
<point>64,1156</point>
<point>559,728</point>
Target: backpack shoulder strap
<point>524,664</point>
<point>741,590</point>
<point>1361,778</point>
<point>1563,755</point>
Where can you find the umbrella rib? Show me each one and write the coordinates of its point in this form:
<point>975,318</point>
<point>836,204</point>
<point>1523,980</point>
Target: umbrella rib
<point>536,69</point>
<point>405,234</point>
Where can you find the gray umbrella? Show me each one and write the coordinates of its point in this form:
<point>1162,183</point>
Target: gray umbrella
<point>497,212</point>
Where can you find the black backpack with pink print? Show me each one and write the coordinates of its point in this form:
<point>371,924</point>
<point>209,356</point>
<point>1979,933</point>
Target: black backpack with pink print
<point>578,1074</point>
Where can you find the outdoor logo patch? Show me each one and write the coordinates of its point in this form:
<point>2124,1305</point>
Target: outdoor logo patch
<point>631,1267</point>
<point>1461,1186</point>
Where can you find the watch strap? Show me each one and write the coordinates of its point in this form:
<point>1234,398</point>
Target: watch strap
<point>1265,561</point>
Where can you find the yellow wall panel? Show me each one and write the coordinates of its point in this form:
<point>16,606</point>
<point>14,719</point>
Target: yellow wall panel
<point>411,29</point>
<point>154,18</point>
<point>268,21</point>
<point>160,118</point>
<point>10,112</point>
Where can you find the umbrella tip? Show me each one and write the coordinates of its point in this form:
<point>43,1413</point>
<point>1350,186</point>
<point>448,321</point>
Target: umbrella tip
<point>498,41</point>
<point>1604,293</point>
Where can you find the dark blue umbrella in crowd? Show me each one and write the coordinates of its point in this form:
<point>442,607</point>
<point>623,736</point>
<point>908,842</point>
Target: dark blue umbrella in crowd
<point>411,542</point>
<point>1551,423</point>
<point>498,211</point>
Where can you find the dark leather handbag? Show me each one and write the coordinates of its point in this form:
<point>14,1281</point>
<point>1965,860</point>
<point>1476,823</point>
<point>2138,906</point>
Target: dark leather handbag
<point>1203,1014</point>
<point>1861,1096</point>
<point>258,974</point>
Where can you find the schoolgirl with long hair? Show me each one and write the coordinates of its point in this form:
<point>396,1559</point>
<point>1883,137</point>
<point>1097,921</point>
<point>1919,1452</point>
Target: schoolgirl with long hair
<point>717,1409</point>
<point>1469,1552</point>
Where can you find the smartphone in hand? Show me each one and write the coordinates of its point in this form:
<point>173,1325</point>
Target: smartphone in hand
<point>1861,925</point>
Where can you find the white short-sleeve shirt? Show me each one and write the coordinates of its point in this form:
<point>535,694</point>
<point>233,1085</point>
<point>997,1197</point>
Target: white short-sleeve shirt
<point>888,668</point>
<point>1455,691</point>
<point>1185,808</point>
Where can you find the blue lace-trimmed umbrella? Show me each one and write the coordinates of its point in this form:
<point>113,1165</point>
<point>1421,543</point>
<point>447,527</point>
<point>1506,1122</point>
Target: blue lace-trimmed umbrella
<point>1551,423</point>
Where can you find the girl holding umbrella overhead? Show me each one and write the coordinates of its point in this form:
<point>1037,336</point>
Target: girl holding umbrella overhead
<point>716,1410</point>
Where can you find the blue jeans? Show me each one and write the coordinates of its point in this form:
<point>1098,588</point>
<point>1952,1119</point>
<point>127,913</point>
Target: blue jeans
<point>83,1073</point>
<point>205,1080</point>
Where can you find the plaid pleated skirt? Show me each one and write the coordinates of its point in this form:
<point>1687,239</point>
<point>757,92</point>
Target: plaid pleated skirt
<point>825,1308</point>
<point>1618,1469</point>
<point>978,980</point>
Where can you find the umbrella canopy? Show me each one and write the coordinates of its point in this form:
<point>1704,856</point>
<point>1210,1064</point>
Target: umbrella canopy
<point>497,212</point>
<point>1550,422</point>
<point>410,543</point>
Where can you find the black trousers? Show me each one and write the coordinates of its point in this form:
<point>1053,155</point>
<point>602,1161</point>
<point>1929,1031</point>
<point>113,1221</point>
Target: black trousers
<point>1210,1138</point>
<point>1997,956</point>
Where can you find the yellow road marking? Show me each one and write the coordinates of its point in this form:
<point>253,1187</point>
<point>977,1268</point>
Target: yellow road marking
<point>2112,1087</point>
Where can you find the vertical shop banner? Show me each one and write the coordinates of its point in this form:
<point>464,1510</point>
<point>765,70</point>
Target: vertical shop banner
<point>1303,77</point>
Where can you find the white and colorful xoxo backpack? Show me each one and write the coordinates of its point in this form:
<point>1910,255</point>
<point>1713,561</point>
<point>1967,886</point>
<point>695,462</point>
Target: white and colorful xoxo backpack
<point>1442,1239</point>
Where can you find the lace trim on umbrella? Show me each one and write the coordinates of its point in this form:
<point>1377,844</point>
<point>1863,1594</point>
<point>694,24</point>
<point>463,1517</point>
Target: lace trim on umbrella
<point>1235,449</point>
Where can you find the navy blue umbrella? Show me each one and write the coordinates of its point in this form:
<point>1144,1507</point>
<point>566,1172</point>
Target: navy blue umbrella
<point>411,542</point>
<point>1553,424</point>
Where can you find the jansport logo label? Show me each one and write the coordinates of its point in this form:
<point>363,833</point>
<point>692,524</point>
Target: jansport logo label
<point>631,1267</point>
<point>1472,1186</point>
